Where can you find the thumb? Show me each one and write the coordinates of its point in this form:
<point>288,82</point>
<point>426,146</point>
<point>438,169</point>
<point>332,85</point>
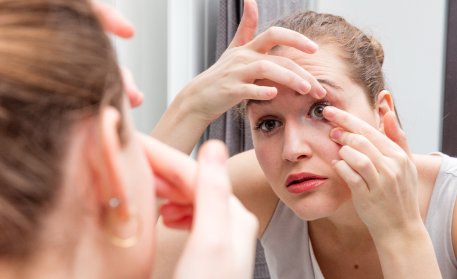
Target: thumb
<point>394,132</point>
<point>248,24</point>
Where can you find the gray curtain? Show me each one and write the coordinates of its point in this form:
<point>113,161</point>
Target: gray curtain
<point>230,127</point>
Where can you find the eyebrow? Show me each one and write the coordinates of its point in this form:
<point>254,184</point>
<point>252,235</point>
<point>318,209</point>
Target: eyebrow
<point>330,83</point>
<point>321,81</point>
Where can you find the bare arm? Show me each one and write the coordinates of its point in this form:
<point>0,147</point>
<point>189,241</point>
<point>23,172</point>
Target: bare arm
<point>232,79</point>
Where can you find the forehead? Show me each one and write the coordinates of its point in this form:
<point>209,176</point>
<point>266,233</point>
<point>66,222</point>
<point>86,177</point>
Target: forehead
<point>326,62</point>
<point>326,65</point>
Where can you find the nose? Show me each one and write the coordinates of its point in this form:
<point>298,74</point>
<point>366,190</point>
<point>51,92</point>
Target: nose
<point>296,144</point>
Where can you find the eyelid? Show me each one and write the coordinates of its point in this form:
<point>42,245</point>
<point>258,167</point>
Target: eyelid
<point>261,121</point>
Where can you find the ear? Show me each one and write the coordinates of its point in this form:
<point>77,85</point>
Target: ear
<point>106,167</point>
<point>385,104</point>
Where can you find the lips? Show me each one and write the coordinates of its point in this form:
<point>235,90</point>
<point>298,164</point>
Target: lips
<point>303,182</point>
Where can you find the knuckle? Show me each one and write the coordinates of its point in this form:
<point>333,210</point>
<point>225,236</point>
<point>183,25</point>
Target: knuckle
<point>403,158</point>
<point>364,164</point>
<point>391,174</point>
<point>241,56</point>
<point>355,180</point>
<point>245,89</point>
<point>273,31</point>
<point>366,132</point>
<point>357,141</point>
<point>261,67</point>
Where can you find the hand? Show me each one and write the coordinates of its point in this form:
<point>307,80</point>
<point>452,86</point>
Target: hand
<point>379,172</point>
<point>246,60</point>
<point>115,23</point>
<point>222,240</point>
<point>112,20</point>
<point>175,175</point>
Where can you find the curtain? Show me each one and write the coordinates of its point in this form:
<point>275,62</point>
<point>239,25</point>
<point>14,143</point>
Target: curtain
<point>231,128</point>
<point>449,133</point>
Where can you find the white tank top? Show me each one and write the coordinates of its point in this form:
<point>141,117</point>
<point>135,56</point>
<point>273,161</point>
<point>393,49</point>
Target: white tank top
<point>288,249</point>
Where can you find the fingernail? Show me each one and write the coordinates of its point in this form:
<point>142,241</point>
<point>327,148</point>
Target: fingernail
<point>336,134</point>
<point>314,45</point>
<point>305,87</point>
<point>271,92</point>
<point>322,92</point>
<point>329,111</point>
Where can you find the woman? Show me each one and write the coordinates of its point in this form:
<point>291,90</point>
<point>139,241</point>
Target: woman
<point>337,192</point>
<point>78,184</point>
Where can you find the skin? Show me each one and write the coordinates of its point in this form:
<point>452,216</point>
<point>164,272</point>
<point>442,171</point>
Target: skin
<point>303,136</point>
<point>341,231</point>
<point>359,196</point>
<point>245,61</point>
<point>74,240</point>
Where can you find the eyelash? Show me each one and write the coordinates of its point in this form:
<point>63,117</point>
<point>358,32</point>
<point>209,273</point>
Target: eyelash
<point>259,124</point>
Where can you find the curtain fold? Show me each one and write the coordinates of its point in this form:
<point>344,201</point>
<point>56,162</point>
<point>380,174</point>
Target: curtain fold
<point>231,128</point>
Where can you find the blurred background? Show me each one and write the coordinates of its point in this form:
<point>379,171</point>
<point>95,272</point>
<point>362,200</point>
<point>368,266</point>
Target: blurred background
<point>175,40</point>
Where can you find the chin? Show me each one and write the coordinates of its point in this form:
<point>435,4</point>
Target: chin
<point>316,207</point>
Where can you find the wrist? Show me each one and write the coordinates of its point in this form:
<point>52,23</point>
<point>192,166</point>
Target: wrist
<point>188,106</point>
<point>408,239</point>
<point>407,253</point>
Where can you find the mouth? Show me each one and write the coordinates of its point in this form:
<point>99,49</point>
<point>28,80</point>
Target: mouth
<point>303,182</point>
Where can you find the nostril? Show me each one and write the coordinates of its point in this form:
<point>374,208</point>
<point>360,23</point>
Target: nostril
<point>301,157</point>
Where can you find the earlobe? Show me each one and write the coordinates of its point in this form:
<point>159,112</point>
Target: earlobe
<point>385,104</point>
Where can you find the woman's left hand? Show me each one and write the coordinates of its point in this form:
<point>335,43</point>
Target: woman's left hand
<point>379,172</point>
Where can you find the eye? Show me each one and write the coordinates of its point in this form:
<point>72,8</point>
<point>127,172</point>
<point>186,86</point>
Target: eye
<point>268,125</point>
<point>317,110</point>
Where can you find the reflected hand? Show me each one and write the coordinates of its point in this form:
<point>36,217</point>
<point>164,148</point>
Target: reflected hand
<point>231,79</point>
<point>379,172</point>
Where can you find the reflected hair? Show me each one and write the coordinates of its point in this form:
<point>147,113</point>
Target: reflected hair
<point>362,54</point>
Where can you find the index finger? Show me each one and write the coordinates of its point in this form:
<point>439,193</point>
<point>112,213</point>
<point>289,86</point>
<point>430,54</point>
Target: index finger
<point>112,20</point>
<point>174,167</point>
<point>355,125</point>
<point>213,191</point>
<point>278,36</point>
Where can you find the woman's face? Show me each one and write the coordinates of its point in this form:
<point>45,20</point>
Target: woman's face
<point>292,141</point>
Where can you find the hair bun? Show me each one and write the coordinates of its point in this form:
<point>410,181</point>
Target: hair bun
<point>378,50</point>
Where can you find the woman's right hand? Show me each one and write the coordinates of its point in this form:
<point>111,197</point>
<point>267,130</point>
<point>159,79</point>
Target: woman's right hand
<point>232,79</point>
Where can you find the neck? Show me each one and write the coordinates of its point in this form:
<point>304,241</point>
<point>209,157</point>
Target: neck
<point>52,264</point>
<point>344,228</point>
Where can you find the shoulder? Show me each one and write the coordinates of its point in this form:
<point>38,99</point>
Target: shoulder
<point>251,187</point>
<point>441,171</point>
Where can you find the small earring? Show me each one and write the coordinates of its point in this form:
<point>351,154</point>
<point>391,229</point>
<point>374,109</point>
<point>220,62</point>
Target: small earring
<point>114,202</point>
<point>123,242</point>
